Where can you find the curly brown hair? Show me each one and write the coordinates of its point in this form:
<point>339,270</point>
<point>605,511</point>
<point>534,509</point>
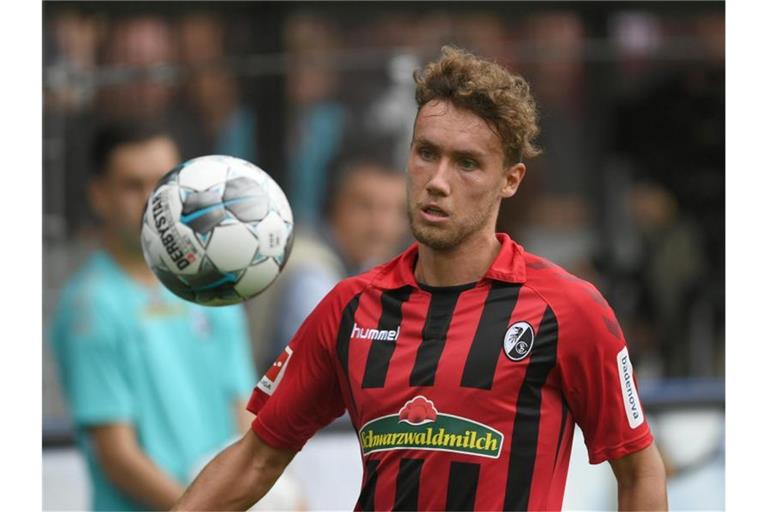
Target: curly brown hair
<point>489,91</point>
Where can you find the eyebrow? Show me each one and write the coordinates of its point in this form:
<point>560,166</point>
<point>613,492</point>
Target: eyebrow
<point>469,153</point>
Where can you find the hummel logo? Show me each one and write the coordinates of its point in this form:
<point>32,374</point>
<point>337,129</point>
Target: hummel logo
<point>374,334</point>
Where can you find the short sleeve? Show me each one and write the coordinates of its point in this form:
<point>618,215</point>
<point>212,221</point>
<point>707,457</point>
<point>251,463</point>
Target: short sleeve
<point>86,342</point>
<point>598,381</point>
<point>300,393</point>
<point>232,329</point>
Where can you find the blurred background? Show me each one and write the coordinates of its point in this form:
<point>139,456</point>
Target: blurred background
<point>628,194</point>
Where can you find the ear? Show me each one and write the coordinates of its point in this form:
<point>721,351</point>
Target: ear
<point>513,176</point>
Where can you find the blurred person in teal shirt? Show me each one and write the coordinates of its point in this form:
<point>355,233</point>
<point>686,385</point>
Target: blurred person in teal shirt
<point>155,384</point>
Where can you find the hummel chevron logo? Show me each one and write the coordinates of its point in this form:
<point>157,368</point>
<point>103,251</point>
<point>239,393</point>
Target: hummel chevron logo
<point>374,334</point>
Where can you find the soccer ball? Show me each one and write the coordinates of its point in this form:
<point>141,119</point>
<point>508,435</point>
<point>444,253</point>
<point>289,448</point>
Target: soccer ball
<point>217,230</point>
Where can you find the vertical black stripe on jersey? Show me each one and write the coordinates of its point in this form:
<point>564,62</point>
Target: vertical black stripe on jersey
<point>342,342</point>
<point>368,494</point>
<point>480,367</point>
<point>380,353</point>
<point>433,336</point>
<point>563,417</point>
<point>462,486</point>
<point>407,490</point>
<point>525,433</point>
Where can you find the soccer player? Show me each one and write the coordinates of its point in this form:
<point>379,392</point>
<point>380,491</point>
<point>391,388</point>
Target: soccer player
<point>465,362</point>
<point>154,383</point>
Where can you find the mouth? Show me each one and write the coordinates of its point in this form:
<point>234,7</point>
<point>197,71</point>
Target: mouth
<point>433,213</point>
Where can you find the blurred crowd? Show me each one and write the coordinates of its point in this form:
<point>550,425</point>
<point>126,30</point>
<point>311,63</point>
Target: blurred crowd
<point>629,192</point>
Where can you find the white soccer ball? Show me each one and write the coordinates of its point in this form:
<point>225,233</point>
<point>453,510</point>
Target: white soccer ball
<point>217,230</point>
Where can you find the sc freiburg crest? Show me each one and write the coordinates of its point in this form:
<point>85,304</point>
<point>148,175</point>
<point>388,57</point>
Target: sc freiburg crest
<point>518,341</point>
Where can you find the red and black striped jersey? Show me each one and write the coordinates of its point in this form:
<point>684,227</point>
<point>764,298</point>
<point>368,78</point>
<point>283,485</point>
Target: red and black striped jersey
<point>463,397</point>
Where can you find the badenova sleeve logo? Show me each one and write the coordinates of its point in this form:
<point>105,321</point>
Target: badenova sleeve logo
<point>420,426</point>
<point>628,390</point>
<point>518,341</point>
<point>274,375</point>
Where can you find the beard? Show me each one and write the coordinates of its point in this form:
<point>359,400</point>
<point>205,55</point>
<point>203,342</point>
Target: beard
<point>444,238</point>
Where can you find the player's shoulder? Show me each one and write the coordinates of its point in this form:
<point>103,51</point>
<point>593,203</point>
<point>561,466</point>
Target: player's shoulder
<point>89,302</point>
<point>586,322</point>
<point>92,286</point>
<point>564,292</point>
<point>349,287</point>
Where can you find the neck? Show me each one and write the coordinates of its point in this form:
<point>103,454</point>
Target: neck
<point>130,261</point>
<point>466,263</point>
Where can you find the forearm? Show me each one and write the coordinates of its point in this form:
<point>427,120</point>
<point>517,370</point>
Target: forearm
<point>136,475</point>
<point>234,480</point>
<point>642,480</point>
<point>643,493</point>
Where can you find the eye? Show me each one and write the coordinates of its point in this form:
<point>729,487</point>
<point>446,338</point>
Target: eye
<point>426,154</point>
<point>467,164</point>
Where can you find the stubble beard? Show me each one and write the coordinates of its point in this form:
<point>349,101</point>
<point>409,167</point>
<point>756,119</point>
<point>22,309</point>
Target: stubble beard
<point>449,237</point>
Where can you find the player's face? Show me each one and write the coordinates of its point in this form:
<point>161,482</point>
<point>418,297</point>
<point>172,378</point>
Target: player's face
<point>133,171</point>
<point>456,176</point>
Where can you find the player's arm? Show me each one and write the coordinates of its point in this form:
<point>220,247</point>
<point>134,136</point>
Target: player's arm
<point>642,480</point>
<point>237,477</point>
<point>297,396</point>
<point>601,391</point>
<point>129,468</point>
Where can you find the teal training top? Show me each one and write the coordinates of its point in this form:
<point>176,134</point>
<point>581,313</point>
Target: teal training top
<point>139,354</point>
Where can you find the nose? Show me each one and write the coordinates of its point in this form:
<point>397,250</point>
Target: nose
<point>438,183</point>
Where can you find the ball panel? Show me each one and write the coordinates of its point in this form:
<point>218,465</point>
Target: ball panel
<point>283,258</point>
<point>205,220</point>
<point>246,199</point>
<point>173,283</point>
<point>207,276</point>
<point>273,234</point>
<point>256,278</point>
<point>279,201</point>
<point>203,211</point>
<point>203,173</point>
<point>232,247</point>
<point>204,238</point>
<point>195,201</point>
<point>173,197</point>
<point>244,169</point>
<point>151,245</point>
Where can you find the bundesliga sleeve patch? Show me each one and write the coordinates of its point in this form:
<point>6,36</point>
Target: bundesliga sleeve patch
<point>274,375</point>
<point>628,390</point>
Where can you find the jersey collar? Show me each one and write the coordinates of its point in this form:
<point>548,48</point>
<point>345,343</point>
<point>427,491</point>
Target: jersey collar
<point>509,266</point>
